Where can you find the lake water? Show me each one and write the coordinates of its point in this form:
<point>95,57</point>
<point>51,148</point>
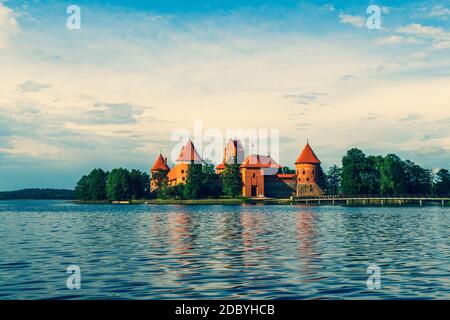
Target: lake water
<point>195,252</point>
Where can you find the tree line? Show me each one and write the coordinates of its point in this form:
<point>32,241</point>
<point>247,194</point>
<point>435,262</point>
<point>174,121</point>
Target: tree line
<point>38,194</point>
<point>388,176</point>
<point>122,184</point>
<point>118,184</point>
<point>359,175</point>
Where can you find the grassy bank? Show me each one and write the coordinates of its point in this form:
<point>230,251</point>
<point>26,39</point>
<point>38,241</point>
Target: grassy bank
<point>218,201</point>
<point>271,201</point>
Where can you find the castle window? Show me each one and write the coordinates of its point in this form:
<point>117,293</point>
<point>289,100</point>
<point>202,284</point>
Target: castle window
<point>304,172</point>
<point>307,179</point>
<point>299,179</point>
<point>182,171</point>
<point>184,178</point>
<point>254,175</point>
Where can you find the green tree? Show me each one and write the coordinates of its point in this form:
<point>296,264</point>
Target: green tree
<point>371,175</point>
<point>333,179</point>
<point>92,186</point>
<point>287,170</point>
<point>139,184</point>
<point>176,192</point>
<point>194,182</point>
<point>360,174</point>
<point>231,180</point>
<point>392,175</point>
<point>210,183</point>
<point>118,186</point>
<point>82,191</point>
<point>418,179</point>
<point>97,184</point>
<point>442,183</point>
<point>353,166</point>
<point>161,182</point>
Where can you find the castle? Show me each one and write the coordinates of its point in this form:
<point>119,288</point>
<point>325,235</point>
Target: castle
<point>261,174</point>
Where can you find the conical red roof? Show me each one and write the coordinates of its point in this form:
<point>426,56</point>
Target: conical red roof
<point>160,164</point>
<point>188,153</point>
<point>307,156</point>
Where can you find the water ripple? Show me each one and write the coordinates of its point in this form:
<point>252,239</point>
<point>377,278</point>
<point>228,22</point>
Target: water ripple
<point>234,252</point>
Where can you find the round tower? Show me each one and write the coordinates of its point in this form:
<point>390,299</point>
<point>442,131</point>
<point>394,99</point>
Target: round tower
<point>160,165</point>
<point>308,169</point>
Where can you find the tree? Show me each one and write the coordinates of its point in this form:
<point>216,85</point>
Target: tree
<point>371,175</point>
<point>139,182</point>
<point>161,183</point>
<point>442,183</point>
<point>194,182</point>
<point>231,180</point>
<point>287,170</point>
<point>176,191</point>
<point>210,185</point>
<point>92,186</point>
<point>333,180</point>
<point>353,166</point>
<point>118,185</point>
<point>97,184</point>
<point>392,175</point>
<point>82,189</point>
<point>360,174</point>
<point>418,179</point>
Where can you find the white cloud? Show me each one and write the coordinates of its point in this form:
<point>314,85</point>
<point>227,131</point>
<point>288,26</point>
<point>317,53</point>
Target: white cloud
<point>439,37</point>
<point>8,25</point>
<point>355,21</point>
<point>441,45</point>
<point>439,11</point>
<point>328,7</point>
<point>420,30</point>
<point>419,55</point>
<point>396,39</point>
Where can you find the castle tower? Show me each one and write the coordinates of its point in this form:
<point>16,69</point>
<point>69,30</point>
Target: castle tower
<point>308,172</point>
<point>232,153</point>
<point>160,165</point>
<point>188,155</point>
<point>254,169</point>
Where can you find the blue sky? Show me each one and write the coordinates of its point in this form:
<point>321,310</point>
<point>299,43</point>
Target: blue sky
<point>112,93</point>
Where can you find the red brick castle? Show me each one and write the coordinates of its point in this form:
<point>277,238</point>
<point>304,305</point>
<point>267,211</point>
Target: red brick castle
<point>261,174</point>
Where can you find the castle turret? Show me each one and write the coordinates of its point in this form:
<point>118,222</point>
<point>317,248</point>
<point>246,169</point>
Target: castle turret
<point>308,173</point>
<point>160,165</point>
<point>188,155</point>
<point>233,153</point>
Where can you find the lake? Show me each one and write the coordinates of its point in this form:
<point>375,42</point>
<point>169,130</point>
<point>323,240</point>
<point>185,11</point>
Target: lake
<point>225,252</point>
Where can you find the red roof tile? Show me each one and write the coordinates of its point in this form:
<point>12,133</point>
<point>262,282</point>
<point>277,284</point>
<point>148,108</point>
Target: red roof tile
<point>307,156</point>
<point>258,161</point>
<point>286,175</point>
<point>220,166</point>
<point>160,164</point>
<point>188,153</point>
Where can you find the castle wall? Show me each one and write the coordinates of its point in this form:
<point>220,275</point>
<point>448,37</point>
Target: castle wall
<point>252,180</point>
<point>178,174</point>
<point>277,187</point>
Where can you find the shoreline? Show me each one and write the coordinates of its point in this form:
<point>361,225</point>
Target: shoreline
<point>354,201</point>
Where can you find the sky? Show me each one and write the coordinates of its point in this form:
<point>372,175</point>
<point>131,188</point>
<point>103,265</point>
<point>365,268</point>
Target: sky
<point>112,93</point>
